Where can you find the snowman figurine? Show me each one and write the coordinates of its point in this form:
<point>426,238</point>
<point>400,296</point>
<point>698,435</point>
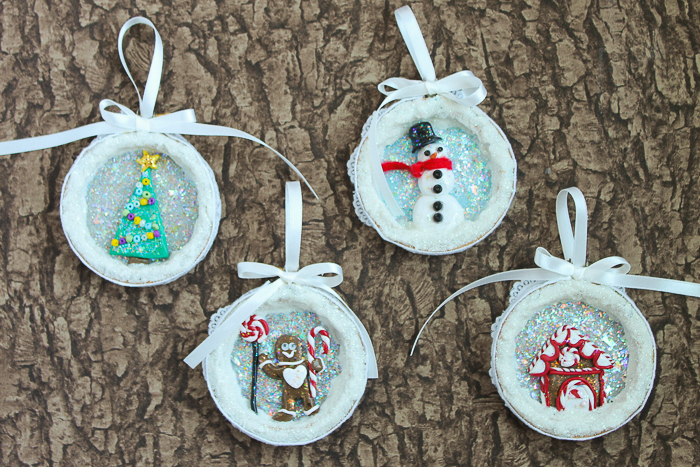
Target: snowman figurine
<point>435,207</point>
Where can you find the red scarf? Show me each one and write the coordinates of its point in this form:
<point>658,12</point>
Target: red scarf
<point>418,168</point>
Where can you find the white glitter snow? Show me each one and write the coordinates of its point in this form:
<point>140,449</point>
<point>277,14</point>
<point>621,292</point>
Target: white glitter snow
<point>74,208</point>
<point>575,425</point>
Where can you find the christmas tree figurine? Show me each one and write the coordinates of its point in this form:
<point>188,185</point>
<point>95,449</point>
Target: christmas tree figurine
<point>140,234</point>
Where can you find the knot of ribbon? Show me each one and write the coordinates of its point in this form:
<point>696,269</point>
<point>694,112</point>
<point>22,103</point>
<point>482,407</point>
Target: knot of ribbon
<point>322,276</point>
<point>461,87</point>
<point>181,122</point>
<point>129,120</point>
<point>312,275</point>
<point>611,271</point>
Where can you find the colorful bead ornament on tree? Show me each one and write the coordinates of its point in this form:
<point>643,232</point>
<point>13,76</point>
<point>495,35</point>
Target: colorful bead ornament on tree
<point>315,361</point>
<point>139,233</point>
<point>433,174</point>
<point>191,206</point>
<point>572,356</point>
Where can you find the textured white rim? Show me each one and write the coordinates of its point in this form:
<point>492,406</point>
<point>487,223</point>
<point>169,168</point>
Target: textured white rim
<point>208,201</point>
<point>365,217</point>
<point>494,372</point>
<point>215,319</point>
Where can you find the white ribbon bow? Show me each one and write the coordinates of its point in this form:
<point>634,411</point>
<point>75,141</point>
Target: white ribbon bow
<point>182,122</point>
<point>611,271</point>
<point>312,275</point>
<point>461,87</point>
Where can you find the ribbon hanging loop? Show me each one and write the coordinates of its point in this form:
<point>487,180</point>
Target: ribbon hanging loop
<point>150,93</point>
<point>611,271</point>
<point>461,87</point>
<point>182,122</point>
<point>323,276</point>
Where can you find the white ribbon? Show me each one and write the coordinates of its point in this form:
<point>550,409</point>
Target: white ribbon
<point>182,122</point>
<point>461,87</point>
<point>611,271</point>
<point>312,275</point>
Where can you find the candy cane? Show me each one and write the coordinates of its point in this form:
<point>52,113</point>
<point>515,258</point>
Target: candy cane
<point>255,330</point>
<point>311,355</point>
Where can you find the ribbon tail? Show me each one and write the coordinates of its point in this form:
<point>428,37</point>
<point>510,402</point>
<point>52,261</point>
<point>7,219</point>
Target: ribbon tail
<point>517,275</point>
<point>203,129</point>
<point>231,323</point>
<point>378,177</point>
<point>651,283</point>
<point>58,139</point>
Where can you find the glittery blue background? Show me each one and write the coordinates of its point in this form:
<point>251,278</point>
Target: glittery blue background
<point>472,174</point>
<point>601,330</point>
<point>113,185</point>
<point>297,323</point>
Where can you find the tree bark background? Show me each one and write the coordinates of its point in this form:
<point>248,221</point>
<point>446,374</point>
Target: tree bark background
<point>591,93</point>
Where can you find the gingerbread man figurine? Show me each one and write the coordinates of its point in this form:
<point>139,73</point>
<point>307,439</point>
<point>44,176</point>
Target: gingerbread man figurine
<point>293,369</point>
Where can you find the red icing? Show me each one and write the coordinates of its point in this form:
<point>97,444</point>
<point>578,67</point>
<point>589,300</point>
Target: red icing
<point>566,334</point>
<point>575,392</point>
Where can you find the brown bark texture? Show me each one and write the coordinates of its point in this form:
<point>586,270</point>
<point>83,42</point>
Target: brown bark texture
<point>597,94</point>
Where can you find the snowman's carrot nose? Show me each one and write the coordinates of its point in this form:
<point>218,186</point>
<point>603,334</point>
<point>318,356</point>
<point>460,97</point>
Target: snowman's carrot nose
<point>433,155</point>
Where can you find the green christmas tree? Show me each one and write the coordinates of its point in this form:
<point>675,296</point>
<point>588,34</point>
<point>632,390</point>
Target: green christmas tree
<point>140,235</point>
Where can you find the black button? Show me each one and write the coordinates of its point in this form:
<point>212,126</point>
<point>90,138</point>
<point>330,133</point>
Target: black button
<point>437,174</point>
<point>437,205</point>
<point>437,189</point>
<point>437,217</point>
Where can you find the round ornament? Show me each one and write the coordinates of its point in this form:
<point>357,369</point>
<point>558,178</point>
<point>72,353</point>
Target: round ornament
<point>453,191</point>
<point>288,362</point>
<point>120,188</point>
<point>433,173</point>
<point>290,410</point>
<point>572,356</point>
<point>572,359</point>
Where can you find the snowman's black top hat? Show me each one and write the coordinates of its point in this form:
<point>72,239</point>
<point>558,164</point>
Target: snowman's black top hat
<point>421,135</point>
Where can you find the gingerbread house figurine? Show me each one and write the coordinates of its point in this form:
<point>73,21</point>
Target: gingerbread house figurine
<point>571,370</point>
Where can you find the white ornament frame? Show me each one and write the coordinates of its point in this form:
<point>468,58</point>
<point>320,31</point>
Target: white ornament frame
<point>450,99</point>
<point>346,390</point>
<point>574,425</point>
<point>314,283</point>
<point>73,208</point>
<point>496,150</point>
<point>573,279</point>
<point>152,131</point>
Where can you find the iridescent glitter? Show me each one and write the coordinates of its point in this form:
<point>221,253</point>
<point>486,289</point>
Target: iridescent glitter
<point>472,175</point>
<point>601,330</point>
<point>114,183</point>
<point>297,323</point>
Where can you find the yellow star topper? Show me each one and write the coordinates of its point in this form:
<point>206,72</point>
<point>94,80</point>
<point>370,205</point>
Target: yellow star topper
<point>148,161</point>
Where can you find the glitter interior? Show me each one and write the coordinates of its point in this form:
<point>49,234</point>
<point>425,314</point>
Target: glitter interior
<point>297,323</point>
<point>601,330</point>
<point>472,175</point>
<point>113,185</point>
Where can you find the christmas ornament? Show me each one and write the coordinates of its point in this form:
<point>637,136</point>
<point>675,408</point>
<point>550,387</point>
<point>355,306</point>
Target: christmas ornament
<point>185,205</point>
<point>433,173</point>
<point>315,361</point>
<point>572,356</point>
